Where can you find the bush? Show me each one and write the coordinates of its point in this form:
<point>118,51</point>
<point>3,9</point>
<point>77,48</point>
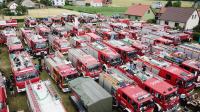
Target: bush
<point>196,36</point>
<point>177,4</point>
<point>7,12</point>
<point>21,10</point>
<point>151,21</point>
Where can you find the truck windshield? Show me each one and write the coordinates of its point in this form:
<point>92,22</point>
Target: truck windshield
<point>131,54</point>
<point>70,77</point>
<point>115,61</point>
<point>45,33</point>
<point>113,36</point>
<point>171,96</point>
<point>26,76</point>
<point>64,45</point>
<point>189,82</point>
<point>146,105</point>
<point>93,67</point>
<point>41,45</point>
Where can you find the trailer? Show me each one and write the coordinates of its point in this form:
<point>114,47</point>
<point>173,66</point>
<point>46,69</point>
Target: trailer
<point>127,52</point>
<point>88,96</point>
<point>86,64</point>
<point>106,55</point>
<point>126,94</point>
<point>23,69</point>
<point>60,70</point>
<point>165,94</point>
<point>14,44</point>
<point>42,97</point>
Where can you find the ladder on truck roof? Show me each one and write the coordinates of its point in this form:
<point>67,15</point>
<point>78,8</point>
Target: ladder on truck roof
<point>33,97</point>
<point>116,43</point>
<point>51,90</point>
<point>193,46</point>
<point>78,53</point>
<point>99,45</point>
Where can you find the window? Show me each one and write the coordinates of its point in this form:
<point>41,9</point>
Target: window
<point>134,105</point>
<point>124,96</point>
<point>147,89</point>
<point>166,23</point>
<point>149,11</point>
<point>176,24</point>
<point>168,76</point>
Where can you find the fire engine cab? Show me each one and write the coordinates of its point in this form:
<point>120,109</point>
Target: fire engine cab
<point>107,34</point>
<point>59,44</point>
<point>14,44</point>
<point>106,55</point>
<point>172,73</point>
<point>36,43</point>
<point>30,22</point>
<point>42,97</point>
<point>165,95</point>
<point>138,45</point>
<point>127,52</point>
<point>126,95</point>
<point>23,69</point>
<point>86,64</point>
<point>60,70</point>
<point>43,30</point>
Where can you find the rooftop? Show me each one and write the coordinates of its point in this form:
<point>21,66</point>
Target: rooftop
<point>137,10</point>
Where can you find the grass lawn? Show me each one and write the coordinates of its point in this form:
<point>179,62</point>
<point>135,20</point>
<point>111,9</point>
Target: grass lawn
<point>126,3</point>
<point>107,11</point>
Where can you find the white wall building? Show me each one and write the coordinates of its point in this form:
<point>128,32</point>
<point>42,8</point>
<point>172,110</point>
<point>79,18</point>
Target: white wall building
<point>58,3</point>
<point>96,3</point>
<point>12,6</point>
<point>186,18</point>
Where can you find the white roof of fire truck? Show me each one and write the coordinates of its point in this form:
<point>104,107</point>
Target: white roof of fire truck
<point>120,45</point>
<point>13,40</point>
<point>36,37</point>
<point>9,31</point>
<point>21,60</point>
<point>192,46</point>
<point>43,97</point>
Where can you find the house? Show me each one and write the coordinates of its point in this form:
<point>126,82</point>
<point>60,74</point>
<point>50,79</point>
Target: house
<point>78,2</point>
<point>58,3</point>
<point>140,12</point>
<point>12,6</point>
<point>28,4</point>
<point>186,18</point>
<point>96,3</point>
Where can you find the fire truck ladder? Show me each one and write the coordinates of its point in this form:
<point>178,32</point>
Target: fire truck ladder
<point>52,91</point>
<point>34,100</point>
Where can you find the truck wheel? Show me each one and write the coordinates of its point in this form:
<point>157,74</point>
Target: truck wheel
<point>82,74</point>
<point>104,67</point>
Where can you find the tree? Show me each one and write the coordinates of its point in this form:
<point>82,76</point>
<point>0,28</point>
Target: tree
<point>169,3</point>
<point>177,3</point>
<point>46,2</point>
<point>21,10</point>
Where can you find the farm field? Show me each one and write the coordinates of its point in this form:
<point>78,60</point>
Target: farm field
<point>126,3</point>
<point>40,13</point>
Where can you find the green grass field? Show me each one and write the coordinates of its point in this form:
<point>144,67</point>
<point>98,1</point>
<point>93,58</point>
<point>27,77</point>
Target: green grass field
<point>107,11</point>
<point>126,3</point>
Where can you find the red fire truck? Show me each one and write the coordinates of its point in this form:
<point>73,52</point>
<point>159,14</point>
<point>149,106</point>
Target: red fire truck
<point>60,70</point>
<point>192,50</point>
<point>14,44</point>
<point>30,22</point>
<point>181,35</point>
<point>175,39</point>
<point>3,95</point>
<point>8,23</point>
<point>86,64</point>
<point>59,44</point>
<point>92,37</point>
<point>6,33</point>
<point>56,20</point>
<point>36,43</point>
<point>165,95</point>
<point>59,30</point>
<point>126,95</point>
<point>194,67</point>
<point>127,52</point>
<point>138,45</point>
<point>43,30</point>
<point>79,41</point>
<point>107,34</point>
<point>172,73</point>
<point>42,97</point>
<point>106,55</point>
<point>154,39</point>
<point>23,69</point>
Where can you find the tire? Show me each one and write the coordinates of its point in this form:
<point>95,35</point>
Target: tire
<point>104,67</point>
